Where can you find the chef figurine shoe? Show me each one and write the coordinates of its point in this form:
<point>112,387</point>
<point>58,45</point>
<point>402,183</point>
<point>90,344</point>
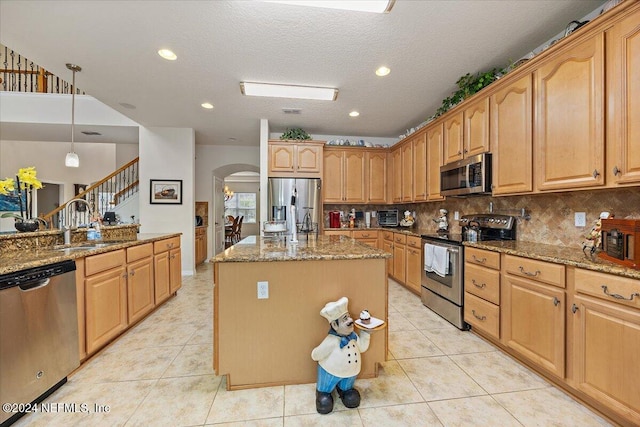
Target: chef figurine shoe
<point>350,398</point>
<point>324,402</point>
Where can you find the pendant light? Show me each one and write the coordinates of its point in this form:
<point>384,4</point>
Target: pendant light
<point>72,160</point>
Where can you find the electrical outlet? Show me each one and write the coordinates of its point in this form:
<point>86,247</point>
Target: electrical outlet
<point>581,219</point>
<point>263,290</point>
<point>456,215</point>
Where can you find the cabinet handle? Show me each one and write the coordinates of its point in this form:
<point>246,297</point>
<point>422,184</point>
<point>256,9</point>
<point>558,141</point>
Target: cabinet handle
<point>481,286</point>
<point>616,171</point>
<point>574,308</point>
<point>481,261</point>
<point>483,318</point>
<point>528,273</point>
<point>595,173</point>
<point>556,301</point>
<point>605,289</point>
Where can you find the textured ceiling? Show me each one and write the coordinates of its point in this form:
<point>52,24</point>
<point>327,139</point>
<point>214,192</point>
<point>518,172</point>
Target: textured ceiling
<point>427,45</point>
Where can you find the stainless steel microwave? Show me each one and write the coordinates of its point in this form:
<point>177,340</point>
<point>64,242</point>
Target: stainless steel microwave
<point>470,176</point>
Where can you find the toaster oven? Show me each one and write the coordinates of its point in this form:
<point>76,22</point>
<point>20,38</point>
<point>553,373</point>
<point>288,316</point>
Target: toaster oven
<point>621,241</point>
<point>388,218</point>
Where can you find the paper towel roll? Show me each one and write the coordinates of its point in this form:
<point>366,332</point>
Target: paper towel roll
<point>367,219</point>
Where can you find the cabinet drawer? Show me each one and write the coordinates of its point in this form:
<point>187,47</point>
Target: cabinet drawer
<point>166,244</point>
<point>103,262</point>
<point>138,252</point>
<point>540,271</point>
<point>337,233</point>
<point>482,315</point>
<point>481,257</point>
<point>622,290</point>
<point>387,235</point>
<point>414,242</point>
<point>482,282</point>
<point>400,238</point>
<point>365,234</point>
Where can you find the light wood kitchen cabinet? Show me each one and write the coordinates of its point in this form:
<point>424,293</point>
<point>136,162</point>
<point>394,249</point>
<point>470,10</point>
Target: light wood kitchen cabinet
<point>368,237</point>
<point>407,171</point>
<point>396,182</point>
<point>387,246</point>
<point>419,182</point>
<point>105,285</point>
<point>140,283</point>
<point>160,269</point>
<point>533,304</point>
<point>414,264</point>
<point>482,291</point>
<point>399,254</point>
<point>435,159</point>
<point>337,232</point>
<point>293,159</point>
<point>167,268</point>
<point>344,171</point>
<point>201,244</point>
<point>376,184</point>
<point>569,127</point>
<point>606,341</point>
<point>476,128</point>
<point>175,270</point>
<point>512,138</point>
<point>453,140</point>
<point>623,101</point>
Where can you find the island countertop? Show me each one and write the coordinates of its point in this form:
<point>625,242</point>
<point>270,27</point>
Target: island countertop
<point>260,249</point>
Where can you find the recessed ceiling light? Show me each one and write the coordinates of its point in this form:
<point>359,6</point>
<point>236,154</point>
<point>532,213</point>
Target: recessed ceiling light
<point>167,54</point>
<point>382,71</point>
<point>127,105</point>
<point>288,91</point>
<point>354,114</point>
<point>377,6</point>
<point>207,105</point>
<point>232,139</point>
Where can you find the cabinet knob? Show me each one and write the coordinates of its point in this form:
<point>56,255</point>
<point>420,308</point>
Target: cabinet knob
<point>124,276</point>
<point>556,301</point>
<point>616,171</point>
<point>133,273</point>
<point>595,173</point>
<point>574,308</point>
<point>459,152</point>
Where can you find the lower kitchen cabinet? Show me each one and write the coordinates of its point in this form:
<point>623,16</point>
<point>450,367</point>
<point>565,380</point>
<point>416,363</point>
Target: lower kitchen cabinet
<point>482,291</point>
<point>414,262</point>
<point>387,246</point>
<point>399,253</point>
<point>368,237</point>
<point>140,284</point>
<point>201,245</point>
<point>167,268</point>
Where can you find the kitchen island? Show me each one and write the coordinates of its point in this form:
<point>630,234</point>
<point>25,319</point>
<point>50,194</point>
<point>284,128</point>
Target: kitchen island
<point>268,341</point>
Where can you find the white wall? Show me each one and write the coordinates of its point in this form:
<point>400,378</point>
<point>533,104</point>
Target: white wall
<point>125,153</point>
<point>169,153</point>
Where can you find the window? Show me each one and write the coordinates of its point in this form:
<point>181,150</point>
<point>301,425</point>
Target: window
<point>242,204</point>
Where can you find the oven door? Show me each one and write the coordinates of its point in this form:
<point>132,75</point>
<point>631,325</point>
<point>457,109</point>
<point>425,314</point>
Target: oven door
<point>450,286</point>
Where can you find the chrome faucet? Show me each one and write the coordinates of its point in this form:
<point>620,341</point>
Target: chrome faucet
<point>67,218</point>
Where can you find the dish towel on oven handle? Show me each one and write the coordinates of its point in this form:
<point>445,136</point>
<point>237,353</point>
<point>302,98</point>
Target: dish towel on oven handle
<point>428,257</point>
<point>440,261</point>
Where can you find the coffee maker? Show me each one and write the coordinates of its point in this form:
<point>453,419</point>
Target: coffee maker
<point>334,219</point>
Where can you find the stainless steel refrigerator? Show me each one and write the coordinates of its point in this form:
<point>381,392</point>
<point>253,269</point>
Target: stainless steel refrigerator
<point>307,202</point>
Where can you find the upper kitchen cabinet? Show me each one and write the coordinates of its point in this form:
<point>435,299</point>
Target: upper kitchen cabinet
<point>453,138</point>
<point>623,100</point>
<point>511,137</point>
<point>407,171</point>
<point>295,159</point>
<point>569,127</point>
<point>395,158</point>
<point>476,128</point>
<point>376,173</point>
<point>344,175</point>
<point>435,159</point>
<point>420,167</point>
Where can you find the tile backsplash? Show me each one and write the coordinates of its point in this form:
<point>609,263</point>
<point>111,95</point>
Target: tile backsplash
<point>551,215</point>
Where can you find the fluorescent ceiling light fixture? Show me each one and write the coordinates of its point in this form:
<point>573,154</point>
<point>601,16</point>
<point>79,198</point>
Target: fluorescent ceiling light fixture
<point>383,71</point>
<point>288,91</point>
<point>354,114</point>
<point>167,54</point>
<point>376,6</point>
<point>207,105</point>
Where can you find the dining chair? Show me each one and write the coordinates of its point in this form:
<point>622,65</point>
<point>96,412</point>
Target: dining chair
<point>230,218</point>
<point>238,233</point>
<point>230,232</point>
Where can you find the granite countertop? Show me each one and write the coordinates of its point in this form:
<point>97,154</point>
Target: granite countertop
<point>17,260</point>
<point>260,249</point>
<point>411,231</point>
<point>557,254</point>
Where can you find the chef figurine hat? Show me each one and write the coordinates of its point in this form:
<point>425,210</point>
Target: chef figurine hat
<point>335,309</point>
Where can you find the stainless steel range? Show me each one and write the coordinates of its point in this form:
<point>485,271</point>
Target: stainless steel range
<point>443,272</point>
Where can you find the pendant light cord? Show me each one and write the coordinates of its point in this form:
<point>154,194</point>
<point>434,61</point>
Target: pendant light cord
<point>73,109</point>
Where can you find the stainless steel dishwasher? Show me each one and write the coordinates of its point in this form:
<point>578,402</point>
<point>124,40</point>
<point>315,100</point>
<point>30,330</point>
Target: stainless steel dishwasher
<point>38,335</point>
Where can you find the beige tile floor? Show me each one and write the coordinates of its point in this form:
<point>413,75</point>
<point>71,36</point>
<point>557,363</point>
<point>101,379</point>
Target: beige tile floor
<point>160,374</point>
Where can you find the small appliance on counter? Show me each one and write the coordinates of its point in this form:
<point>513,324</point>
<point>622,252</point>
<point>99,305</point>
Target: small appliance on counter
<point>388,218</point>
<point>621,241</point>
<point>334,219</point>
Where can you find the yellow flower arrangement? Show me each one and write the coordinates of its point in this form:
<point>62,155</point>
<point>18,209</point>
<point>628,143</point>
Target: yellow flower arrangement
<point>23,186</point>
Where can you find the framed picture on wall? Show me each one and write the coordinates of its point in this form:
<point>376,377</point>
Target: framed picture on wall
<point>80,188</point>
<point>166,191</point>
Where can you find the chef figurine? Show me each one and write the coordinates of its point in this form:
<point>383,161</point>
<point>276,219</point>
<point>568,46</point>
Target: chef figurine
<point>338,357</point>
<point>443,223</point>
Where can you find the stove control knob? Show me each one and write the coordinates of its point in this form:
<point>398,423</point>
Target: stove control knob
<point>491,220</point>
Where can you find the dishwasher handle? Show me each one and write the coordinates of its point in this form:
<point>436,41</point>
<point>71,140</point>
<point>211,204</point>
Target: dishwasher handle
<point>33,285</point>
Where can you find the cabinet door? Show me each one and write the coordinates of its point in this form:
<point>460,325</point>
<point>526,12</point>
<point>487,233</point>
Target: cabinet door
<point>533,321</point>
<point>140,289</point>
<point>453,141</point>
<point>623,101</point>
<point>308,159</point>
<point>105,307</point>
<point>161,273</point>
<point>435,159</point>
<point>414,264</point>
<point>476,128</point>
<point>376,177</point>
<point>354,178</point>
<point>569,137</point>
<point>512,138</point>
<point>407,171</point>
<point>201,246</point>
<point>332,185</point>
<point>399,269</point>
<point>396,156</point>
<point>175,270</point>
<point>607,345</point>
<point>420,167</point>
<point>387,246</point>
<point>282,158</point>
